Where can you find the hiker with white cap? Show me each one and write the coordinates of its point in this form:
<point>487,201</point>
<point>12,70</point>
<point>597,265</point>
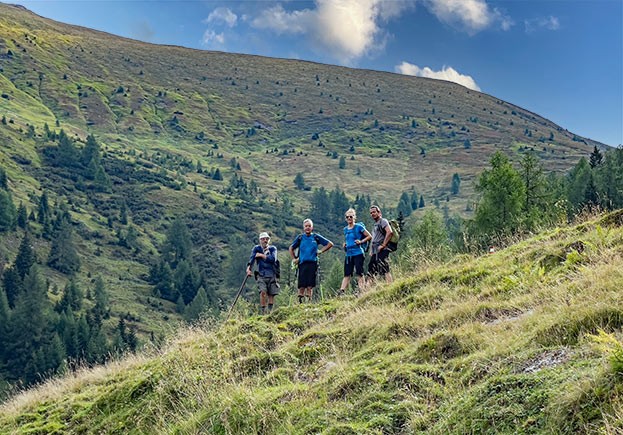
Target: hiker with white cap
<point>265,255</point>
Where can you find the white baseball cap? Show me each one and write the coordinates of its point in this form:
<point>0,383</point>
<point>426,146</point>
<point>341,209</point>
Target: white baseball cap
<point>264,235</point>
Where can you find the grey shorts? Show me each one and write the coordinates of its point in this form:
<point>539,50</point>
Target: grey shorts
<point>268,285</point>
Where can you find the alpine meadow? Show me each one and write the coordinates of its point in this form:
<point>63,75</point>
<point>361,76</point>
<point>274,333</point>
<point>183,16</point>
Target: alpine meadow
<point>135,179</point>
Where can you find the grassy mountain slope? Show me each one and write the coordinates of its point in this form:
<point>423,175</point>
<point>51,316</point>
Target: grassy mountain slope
<point>156,108</point>
<point>503,343</point>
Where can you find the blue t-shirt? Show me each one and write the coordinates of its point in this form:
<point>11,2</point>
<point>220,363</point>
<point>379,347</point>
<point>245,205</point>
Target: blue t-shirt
<point>352,234</point>
<point>308,246</point>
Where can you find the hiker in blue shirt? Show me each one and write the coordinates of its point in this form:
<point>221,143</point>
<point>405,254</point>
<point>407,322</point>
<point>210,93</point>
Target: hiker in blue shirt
<point>307,259</point>
<point>355,238</point>
<point>265,255</point>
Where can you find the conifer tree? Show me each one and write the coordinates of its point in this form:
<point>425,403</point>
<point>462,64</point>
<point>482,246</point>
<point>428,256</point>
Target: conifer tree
<point>63,254</point>
<point>503,192</point>
<point>8,213</point>
<point>404,205</point>
<point>68,155</point>
<point>72,298</point>
<point>577,182</point>
<point>101,180</point>
<point>178,245</point>
<point>44,213</point>
<point>47,134</point>
<point>609,179</point>
<point>100,308</point>
<point>339,204</point>
<point>31,339</point>
<point>67,332</point>
<point>163,280</point>
<point>25,256</point>
<point>186,280</point>
<point>90,152</point>
<point>198,305</point>
<point>299,181</point>
<point>596,158</point>
<point>98,347</point>
<point>414,200</point>
<point>22,216</point>
<point>4,184</point>
<point>456,184</point>
<point>123,213</point>
<point>4,321</point>
<point>535,205</point>
<point>12,284</point>
<point>320,205</point>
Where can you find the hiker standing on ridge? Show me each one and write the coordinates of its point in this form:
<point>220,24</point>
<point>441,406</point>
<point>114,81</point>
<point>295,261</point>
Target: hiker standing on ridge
<point>307,260</point>
<point>265,255</point>
<point>355,238</point>
<point>379,261</point>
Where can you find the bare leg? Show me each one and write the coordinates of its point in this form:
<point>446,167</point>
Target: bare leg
<point>361,282</point>
<point>308,293</point>
<point>345,283</point>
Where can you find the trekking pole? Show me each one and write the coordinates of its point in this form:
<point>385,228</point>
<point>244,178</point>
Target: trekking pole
<point>237,296</point>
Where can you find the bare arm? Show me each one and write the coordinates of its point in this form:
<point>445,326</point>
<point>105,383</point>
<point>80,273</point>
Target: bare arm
<point>388,235</point>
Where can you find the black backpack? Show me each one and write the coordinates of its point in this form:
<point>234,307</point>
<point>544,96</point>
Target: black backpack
<point>277,268</point>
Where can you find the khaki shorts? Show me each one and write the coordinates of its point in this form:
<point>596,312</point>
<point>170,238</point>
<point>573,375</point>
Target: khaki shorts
<point>268,285</point>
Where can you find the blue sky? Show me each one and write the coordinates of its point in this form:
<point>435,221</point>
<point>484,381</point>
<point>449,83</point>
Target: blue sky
<point>562,59</point>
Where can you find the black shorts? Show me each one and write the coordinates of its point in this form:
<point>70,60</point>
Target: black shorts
<point>379,263</point>
<point>307,274</point>
<point>353,264</point>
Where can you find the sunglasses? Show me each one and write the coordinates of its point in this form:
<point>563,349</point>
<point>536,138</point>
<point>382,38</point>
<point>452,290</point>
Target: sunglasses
<point>350,217</point>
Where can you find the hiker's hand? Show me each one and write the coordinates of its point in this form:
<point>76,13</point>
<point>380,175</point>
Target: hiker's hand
<point>249,272</point>
<point>296,261</point>
<point>357,242</point>
<point>260,255</point>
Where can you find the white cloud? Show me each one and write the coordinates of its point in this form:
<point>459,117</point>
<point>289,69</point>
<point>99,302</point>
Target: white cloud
<point>282,21</point>
<point>224,15</point>
<point>543,23</point>
<point>211,38</point>
<point>471,15</point>
<point>446,73</point>
<point>348,29</point>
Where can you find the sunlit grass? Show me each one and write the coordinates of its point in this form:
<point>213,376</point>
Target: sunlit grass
<point>447,349</point>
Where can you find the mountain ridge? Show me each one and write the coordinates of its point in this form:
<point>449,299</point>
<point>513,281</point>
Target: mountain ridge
<point>168,119</point>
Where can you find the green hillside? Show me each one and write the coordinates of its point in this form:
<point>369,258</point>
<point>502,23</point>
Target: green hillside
<point>526,340</point>
<point>114,153</point>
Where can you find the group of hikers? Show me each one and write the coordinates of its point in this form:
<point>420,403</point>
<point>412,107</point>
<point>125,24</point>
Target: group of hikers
<point>306,247</point>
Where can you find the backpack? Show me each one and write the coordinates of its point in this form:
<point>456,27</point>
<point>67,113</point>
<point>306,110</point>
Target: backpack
<point>277,268</point>
<point>395,231</point>
<point>392,245</point>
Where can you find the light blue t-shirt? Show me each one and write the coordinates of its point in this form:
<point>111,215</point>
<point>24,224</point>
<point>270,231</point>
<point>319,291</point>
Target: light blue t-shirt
<point>352,234</point>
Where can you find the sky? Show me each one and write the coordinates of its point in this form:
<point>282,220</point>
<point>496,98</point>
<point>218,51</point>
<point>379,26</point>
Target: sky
<point>561,59</point>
